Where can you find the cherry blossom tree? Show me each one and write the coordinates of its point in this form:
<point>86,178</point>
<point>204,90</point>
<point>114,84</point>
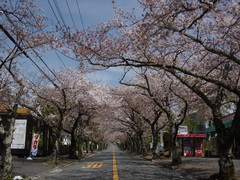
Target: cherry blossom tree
<point>21,35</point>
<point>135,124</point>
<point>88,102</point>
<point>107,117</point>
<point>170,97</point>
<point>69,105</point>
<point>53,103</point>
<point>195,41</point>
<point>54,100</point>
<point>130,122</point>
<point>74,125</point>
<point>83,108</point>
<point>145,110</point>
<point>22,30</point>
<point>11,91</point>
<point>99,129</point>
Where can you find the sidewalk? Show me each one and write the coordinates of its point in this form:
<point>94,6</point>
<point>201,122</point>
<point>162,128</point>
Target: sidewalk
<point>38,166</point>
<point>198,168</point>
<point>26,168</point>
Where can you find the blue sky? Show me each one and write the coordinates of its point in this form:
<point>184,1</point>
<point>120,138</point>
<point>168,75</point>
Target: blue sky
<point>92,12</point>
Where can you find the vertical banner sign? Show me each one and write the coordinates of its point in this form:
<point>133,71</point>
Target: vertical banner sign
<point>19,135</point>
<point>34,146</point>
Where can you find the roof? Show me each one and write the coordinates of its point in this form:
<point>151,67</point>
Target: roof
<point>191,135</point>
<point>22,111</point>
<point>5,109</point>
<point>213,128</point>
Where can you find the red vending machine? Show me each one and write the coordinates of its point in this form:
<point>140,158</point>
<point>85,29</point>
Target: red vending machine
<point>192,144</point>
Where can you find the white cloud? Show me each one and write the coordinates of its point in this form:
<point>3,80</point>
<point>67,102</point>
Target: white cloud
<point>110,76</point>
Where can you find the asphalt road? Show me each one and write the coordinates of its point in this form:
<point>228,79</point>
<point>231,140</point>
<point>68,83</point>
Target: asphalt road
<point>112,164</point>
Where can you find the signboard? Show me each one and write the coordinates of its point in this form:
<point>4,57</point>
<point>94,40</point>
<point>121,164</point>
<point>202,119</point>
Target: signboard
<point>19,135</point>
<point>183,130</point>
<point>34,146</point>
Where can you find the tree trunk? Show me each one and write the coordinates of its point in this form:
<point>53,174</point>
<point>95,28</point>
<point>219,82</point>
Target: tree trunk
<point>100,147</point>
<point>155,142</point>
<point>80,150</point>
<point>45,140</point>
<point>226,166</point>
<point>225,141</point>
<point>176,148</point>
<point>56,143</point>
<point>73,147</point>
<point>137,141</point>
<point>176,153</point>
<point>131,143</point>
<point>6,155</point>
<point>55,150</point>
<point>143,150</point>
<point>57,138</point>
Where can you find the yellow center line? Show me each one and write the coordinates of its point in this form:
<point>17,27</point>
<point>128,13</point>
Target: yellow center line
<point>115,172</point>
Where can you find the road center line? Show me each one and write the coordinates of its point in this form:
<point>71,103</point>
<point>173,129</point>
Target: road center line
<point>115,172</point>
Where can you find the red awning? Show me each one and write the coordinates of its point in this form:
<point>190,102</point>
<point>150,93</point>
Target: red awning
<point>191,135</point>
